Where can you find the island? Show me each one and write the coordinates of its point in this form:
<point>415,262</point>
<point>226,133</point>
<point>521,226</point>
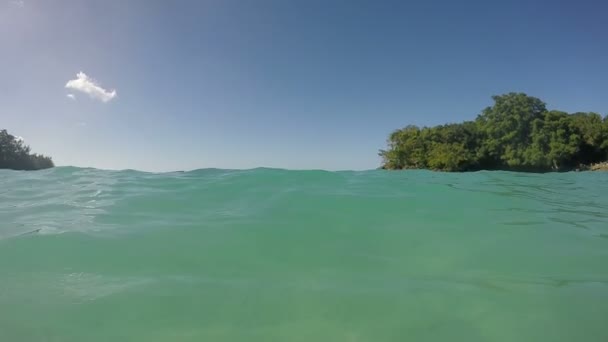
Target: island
<point>16,155</point>
<point>517,133</point>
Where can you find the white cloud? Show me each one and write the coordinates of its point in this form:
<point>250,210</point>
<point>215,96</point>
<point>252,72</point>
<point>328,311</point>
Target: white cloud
<point>18,3</point>
<point>71,96</point>
<point>87,85</point>
<point>19,139</point>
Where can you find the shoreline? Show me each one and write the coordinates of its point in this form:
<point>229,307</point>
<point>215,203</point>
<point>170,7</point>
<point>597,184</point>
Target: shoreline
<point>603,166</point>
<point>599,167</point>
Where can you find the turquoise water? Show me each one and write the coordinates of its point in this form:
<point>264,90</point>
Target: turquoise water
<point>273,255</point>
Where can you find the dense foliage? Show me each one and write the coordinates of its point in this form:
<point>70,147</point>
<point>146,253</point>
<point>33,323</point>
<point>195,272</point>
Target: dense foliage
<point>14,154</point>
<point>517,133</point>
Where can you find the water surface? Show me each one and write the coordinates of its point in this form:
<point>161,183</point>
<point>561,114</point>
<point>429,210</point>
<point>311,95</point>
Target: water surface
<point>274,255</point>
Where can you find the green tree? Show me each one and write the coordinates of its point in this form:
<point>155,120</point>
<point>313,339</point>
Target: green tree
<point>516,133</point>
<point>507,126</point>
<point>14,154</point>
<point>589,127</point>
<point>406,149</point>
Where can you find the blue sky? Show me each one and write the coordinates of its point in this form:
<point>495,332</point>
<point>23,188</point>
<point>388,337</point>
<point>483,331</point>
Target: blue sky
<point>289,84</point>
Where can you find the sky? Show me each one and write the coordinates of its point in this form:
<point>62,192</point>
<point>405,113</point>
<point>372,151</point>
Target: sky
<point>309,84</point>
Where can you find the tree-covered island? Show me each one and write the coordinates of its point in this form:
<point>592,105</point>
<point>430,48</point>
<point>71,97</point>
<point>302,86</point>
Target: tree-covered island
<point>16,155</point>
<point>517,133</point>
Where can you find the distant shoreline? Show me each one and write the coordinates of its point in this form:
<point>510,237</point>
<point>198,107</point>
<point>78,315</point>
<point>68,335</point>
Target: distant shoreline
<point>16,155</point>
<point>518,133</point>
<point>583,168</point>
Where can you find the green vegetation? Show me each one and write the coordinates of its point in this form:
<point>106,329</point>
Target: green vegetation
<point>517,133</point>
<point>14,154</point>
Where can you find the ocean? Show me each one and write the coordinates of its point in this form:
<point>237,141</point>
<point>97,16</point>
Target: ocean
<point>276,255</point>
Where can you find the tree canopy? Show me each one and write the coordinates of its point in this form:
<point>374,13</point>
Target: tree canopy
<point>517,133</point>
<point>14,154</point>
